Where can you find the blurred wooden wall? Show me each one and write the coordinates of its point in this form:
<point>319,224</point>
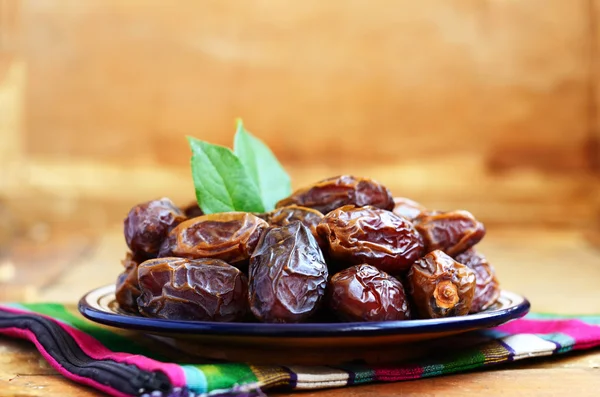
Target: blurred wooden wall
<point>489,105</point>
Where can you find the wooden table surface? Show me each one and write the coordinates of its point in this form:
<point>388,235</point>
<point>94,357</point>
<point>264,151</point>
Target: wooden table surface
<point>558,270</point>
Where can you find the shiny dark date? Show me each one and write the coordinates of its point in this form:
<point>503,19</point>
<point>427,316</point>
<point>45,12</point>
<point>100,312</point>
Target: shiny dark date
<point>373,236</point>
<point>285,215</point>
<point>148,224</point>
<point>192,289</point>
<point>332,193</point>
<point>487,288</point>
<point>287,275</point>
<point>407,208</point>
<point>440,286</point>
<point>229,236</point>
<point>452,232</point>
<point>127,288</point>
<point>365,293</point>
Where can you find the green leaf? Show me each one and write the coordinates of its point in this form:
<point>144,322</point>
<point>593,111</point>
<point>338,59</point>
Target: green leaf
<point>272,181</point>
<point>221,181</point>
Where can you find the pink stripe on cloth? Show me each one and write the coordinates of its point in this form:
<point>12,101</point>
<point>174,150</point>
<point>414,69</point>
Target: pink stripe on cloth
<point>585,335</point>
<point>387,374</point>
<point>26,334</point>
<point>97,351</point>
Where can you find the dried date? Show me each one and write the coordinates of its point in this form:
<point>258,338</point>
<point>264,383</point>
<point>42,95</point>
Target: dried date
<point>365,293</point>
<point>309,217</point>
<point>262,215</point>
<point>127,288</point>
<point>407,208</point>
<point>487,288</point>
<point>288,275</point>
<point>452,232</point>
<point>192,289</point>
<point>440,286</point>
<point>148,224</point>
<point>332,193</point>
<point>229,236</point>
<point>373,236</point>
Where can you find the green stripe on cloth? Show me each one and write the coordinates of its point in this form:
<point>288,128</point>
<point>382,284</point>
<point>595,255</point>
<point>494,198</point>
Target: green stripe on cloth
<point>222,376</point>
<point>359,373</point>
<point>466,360</point>
<point>110,338</point>
<point>366,375</point>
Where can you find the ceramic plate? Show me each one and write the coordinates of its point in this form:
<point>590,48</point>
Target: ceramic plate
<point>210,338</point>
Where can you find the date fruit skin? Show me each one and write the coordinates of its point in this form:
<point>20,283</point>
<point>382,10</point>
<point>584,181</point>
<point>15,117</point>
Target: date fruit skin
<point>192,289</point>
<point>452,232</point>
<point>148,224</point>
<point>370,235</point>
<point>332,193</point>
<point>407,208</point>
<point>309,217</point>
<point>262,215</point>
<point>487,288</point>
<point>288,275</point>
<point>229,236</point>
<point>365,293</point>
<point>440,286</point>
<point>127,288</point>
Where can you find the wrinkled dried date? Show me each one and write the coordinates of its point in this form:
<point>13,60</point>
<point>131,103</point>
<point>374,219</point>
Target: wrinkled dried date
<point>229,236</point>
<point>365,293</point>
<point>127,289</point>
<point>288,275</point>
<point>262,215</point>
<point>148,224</point>
<point>407,208</point>
<point>440,286</point>
<point>487,288</point>
<point>309,217</point>
<point>452,232</point>
<point>192,289</point>
<point>336,192</point>
<point>373,236</point>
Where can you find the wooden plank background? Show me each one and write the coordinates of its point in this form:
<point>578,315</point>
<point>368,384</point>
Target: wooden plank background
<point>486,105</point>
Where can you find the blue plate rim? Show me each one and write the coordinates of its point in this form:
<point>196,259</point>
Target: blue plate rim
<point>484,319</point>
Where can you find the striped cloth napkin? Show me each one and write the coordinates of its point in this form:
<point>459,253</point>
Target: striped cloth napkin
<point>111,361</point>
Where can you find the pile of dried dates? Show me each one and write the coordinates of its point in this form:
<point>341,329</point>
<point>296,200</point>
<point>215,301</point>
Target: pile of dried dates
<point>341,250</point>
